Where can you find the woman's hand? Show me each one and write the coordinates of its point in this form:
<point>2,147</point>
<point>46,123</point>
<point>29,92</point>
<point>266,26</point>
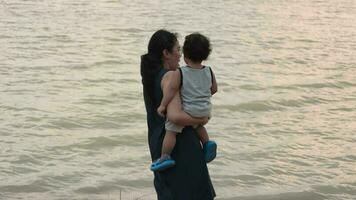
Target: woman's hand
<point>205,120</point>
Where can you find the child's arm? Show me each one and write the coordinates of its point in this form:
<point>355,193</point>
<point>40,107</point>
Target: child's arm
<point>214,86</point>
<point>169,90</point>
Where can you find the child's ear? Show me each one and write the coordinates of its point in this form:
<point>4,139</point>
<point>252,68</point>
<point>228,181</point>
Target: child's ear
<point>186,60</point>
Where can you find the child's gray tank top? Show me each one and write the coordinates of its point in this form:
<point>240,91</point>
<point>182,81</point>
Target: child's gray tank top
<point>196,91</point>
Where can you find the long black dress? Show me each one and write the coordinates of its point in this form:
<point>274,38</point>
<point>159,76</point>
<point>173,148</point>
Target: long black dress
<point>189,179</point>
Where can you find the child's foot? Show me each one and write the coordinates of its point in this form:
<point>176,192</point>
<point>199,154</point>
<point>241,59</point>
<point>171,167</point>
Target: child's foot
<point>163,163</point>
<point>209,149</point>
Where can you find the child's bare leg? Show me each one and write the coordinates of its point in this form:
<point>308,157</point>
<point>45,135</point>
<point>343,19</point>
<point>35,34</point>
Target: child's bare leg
<point>169,142</point>
<point>203,134</point>
<point>165,161</point>
<point>209,146</point>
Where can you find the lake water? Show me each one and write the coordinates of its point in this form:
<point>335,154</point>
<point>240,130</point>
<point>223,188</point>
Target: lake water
<point>72,123</point>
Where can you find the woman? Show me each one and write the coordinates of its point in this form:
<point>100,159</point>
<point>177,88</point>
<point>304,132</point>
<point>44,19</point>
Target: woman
<point>189,179</point>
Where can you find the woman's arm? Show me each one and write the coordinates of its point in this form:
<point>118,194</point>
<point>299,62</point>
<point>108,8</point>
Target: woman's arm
<point>178,116</point>
<point>170,87</point>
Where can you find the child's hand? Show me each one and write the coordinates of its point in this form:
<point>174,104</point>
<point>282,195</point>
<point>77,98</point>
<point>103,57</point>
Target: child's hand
<point>161,110</point>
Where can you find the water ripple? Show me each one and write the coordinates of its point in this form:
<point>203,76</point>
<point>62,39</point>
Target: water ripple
<point>73,120</point>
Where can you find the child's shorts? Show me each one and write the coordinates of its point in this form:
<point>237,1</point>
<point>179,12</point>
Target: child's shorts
<point>170,126</point>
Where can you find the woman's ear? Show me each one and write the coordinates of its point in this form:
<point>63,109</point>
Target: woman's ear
<point>165,53</point>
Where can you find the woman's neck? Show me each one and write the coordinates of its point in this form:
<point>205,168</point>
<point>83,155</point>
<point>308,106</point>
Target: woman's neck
<point>166,65</point>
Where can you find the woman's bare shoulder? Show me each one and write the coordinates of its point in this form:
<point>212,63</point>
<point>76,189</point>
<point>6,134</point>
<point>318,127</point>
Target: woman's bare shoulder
<point>167,76</point>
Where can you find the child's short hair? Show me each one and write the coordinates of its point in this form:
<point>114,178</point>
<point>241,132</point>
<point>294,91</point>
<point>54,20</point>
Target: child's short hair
<point>196,47</point>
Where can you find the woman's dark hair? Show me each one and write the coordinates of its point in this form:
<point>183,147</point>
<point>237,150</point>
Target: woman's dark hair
<point>196,47</point>
<point>152,62</point>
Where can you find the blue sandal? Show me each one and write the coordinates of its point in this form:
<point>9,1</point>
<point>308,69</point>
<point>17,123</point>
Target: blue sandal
<point>209,149</point>
<point>162,164</point>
